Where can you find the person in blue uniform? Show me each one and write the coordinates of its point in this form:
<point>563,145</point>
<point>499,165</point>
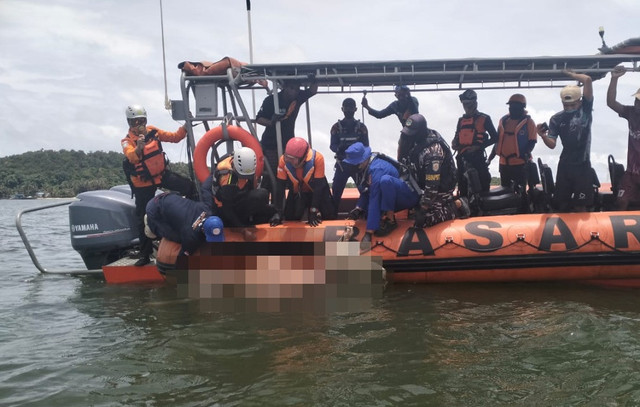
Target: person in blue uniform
<point>382,191</point>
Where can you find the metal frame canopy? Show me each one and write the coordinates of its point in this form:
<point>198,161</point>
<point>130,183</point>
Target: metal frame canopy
<point>441,74</point>
<point>379,76</point>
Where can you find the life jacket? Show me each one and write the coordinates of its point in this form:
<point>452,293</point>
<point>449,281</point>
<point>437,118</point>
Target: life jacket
<point>148,171</point>
<point>514,139</point>
<point>348,134</point>
<point>351,132</point>
<point>224,175</point>
<point>447,168</point>
<point>471,131</point>
<point>307,173</point>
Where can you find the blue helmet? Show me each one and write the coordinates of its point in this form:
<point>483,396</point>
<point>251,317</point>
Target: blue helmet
<point>213,229</point>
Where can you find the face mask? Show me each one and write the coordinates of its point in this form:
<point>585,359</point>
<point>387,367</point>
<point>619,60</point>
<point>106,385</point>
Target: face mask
<point>516,112</point>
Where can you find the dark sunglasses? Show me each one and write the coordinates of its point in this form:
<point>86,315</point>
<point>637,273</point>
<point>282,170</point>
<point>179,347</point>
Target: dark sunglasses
<point>138,121</point>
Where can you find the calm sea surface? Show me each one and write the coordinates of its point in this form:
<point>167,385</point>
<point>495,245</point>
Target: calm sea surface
<point>75,341</point>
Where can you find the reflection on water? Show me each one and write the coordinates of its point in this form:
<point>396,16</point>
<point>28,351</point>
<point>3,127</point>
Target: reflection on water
<point>77,341</point>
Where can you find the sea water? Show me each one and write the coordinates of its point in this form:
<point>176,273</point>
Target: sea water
<point>76,341</point>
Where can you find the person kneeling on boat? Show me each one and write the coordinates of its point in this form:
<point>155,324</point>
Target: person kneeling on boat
<point>381,190</point>
<point>432,165</point>
<point>181,220</point>
<point>301,170</point>
<point>231,190</point>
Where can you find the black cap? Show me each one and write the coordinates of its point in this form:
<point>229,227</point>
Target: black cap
<point>468,95</point>
<point>415,124</point>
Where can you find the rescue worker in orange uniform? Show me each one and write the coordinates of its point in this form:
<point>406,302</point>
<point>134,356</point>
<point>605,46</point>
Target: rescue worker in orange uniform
<point>230,190</point>
<point>517,136</point>
<point>475,132</point>
<point>146,168</point>
<point>301,170</point>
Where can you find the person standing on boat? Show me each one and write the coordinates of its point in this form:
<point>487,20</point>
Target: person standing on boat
<point>290,99</point>
<point>574,183</point>
<point>432,164</point>
<point>231,189</point>
<point>404,106</point>
<point>517,136</point>
<point>301,170</point>
<point>146,168</point>
<point>181,220</point>
<point>382,192</point>
<point>474,133</point>
<point>344,133</point>
<point>629,190</point>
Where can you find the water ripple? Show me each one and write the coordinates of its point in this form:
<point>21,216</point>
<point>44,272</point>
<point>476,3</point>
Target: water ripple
<point>78,341</point>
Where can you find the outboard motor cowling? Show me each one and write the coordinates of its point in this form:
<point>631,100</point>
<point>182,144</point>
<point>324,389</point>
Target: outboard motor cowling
<point>103,226</point>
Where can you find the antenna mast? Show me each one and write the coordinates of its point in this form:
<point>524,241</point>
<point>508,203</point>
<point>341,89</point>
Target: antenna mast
<point>253,95</point>
<point>167,102</point>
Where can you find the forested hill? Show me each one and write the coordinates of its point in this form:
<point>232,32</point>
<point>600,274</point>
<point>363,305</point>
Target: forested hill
<point>63,173</point>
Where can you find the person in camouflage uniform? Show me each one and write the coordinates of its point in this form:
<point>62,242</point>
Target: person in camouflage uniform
<point>433,167</point>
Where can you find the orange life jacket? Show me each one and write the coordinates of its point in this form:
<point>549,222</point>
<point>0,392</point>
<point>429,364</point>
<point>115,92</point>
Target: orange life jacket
<point>307,172</point>
<point>224,175</point>
<point>148,171</point>
<point>472,132</point>
<point>513,138</point>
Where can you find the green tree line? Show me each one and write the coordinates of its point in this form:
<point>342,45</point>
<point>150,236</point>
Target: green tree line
<point>63,174</point>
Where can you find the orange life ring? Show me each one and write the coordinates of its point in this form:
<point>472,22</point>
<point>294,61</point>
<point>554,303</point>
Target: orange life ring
<point>216,134</point>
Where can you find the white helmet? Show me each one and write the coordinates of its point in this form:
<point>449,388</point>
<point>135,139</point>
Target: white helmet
<point>245,161</point>
<point>135,111</point>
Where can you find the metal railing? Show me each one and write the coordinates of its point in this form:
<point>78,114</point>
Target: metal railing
<point>31,252</point>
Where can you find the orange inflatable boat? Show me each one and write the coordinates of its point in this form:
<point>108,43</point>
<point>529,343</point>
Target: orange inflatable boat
<point>535,247</point>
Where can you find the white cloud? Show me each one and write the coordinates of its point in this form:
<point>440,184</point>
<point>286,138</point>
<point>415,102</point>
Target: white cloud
<point>70,67</point>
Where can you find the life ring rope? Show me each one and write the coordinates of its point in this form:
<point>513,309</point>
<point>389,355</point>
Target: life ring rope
<point>209,140</point>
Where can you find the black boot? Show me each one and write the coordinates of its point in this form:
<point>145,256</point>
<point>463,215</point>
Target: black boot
<point>142,261</point>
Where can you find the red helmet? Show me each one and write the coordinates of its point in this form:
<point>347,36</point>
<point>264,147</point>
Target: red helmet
<point>297,147</point>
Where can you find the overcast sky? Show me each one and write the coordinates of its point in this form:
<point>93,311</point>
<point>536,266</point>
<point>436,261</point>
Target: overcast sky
<point>68,68</point>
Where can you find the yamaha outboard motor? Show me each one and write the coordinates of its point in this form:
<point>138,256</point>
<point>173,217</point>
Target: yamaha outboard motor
<point>103,225</point>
